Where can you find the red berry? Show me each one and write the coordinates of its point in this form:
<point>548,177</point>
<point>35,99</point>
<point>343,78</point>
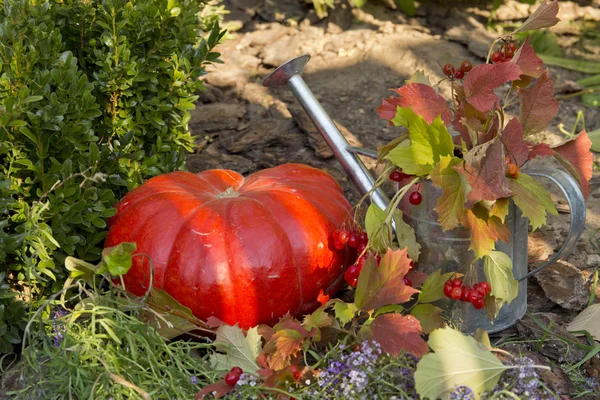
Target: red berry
<point>448,70</point>
<point>361,248</point>
<point>407,281</point>
<point>508,52</point>
<point>363,238</point>
<point>397,176</point>
<point>466,66</point>
<point>343,236</point>
<point>479,303</point>
<point>338,245</point>
<point>459,74</point>
<point>456,282</point>
<point>464,296</point>
<point>296,373</point>
<point>231,378</point>
<point>474,295</point>
<point>415,198</point>
<point>353,241</point>
<point>351,275</point>
<point>361,260</point>
<point>377,259</point>
<point>513,46</point>
<point>455,293</point>
<point>486,287</point>
<point>237,370</point>
<point>447,289</point>
<point>411,265</point>
<point>496,57</point>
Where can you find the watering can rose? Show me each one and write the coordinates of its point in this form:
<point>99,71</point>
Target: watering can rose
<point>245,250</point>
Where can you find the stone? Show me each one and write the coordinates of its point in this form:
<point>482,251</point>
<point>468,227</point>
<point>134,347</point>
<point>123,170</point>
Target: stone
<point>557,350</point>
<point>564,284</point>
<point>593,260</point>
<point>216,116</point>
<point>280,51</point>
<point>340,18</point>
<point>229,76</point>
<point>260,134</point>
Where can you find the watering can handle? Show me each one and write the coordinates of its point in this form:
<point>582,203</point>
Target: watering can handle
<point>570,188</point>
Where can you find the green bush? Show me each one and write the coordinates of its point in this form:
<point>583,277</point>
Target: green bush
<point>94,98</point>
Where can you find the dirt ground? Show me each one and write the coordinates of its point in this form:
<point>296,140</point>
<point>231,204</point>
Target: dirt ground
<point>357,56</point>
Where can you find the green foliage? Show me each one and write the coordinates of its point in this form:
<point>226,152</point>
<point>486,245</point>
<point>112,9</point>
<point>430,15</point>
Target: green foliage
<point>94,98</point>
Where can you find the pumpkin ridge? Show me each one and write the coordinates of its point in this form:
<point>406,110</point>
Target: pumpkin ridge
<point>216,190</point>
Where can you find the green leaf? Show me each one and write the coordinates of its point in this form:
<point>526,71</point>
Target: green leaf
<point>451,204</point>
<point>595,138</point>
<point>344,312</point>
<point>532,198</point>
<point>408,7</point>
<point>118,259</point>
<point>587,67</point>
<point>318,319</point>
<point>379,233</point>
<point>80,268</point>
<point>433,288</point>
<point>241,350</point>
<point>406,236</point>
<point>458,360</point>
<point>497,268</point>
<point>381,285</point>
<point>427,143</point>
<point>429,316</point>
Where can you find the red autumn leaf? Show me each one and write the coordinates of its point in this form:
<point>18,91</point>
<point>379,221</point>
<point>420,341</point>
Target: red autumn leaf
<point>265,331</point>
<point>538,106</point>
<point>540,150</point>
<point>323,298</point>
<point>423,100</point>
<point>381,286</point>
<point>527,60</point>
<point>417,278</point>
<point>288,343</point>
<point>218,389</point>
<point>544,16</point>
<point>576,157</point>
<point>483,79</point>
<point>512,138</point>
<point>214,322</point>
<point>396,332</point>
<point>387,109</point>
<point>485,170</point>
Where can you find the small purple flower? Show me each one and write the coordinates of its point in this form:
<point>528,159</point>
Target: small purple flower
<point>462,393</point>
<point>194,380</point>
<point>57,329</point>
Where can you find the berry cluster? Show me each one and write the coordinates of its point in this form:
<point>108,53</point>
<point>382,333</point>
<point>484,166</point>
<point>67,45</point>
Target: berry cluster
<point>356,240</point>
<point>459,73</point>
<point>415,198</point>
<point>506,53</point>
<point>233,376</point>
<point>454,289</point>
<point>353,272</point>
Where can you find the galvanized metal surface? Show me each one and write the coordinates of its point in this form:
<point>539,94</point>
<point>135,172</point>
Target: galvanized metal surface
<point>445,250</point>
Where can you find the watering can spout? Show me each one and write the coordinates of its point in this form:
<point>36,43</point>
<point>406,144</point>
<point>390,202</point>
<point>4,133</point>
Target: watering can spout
<point>289,74</point>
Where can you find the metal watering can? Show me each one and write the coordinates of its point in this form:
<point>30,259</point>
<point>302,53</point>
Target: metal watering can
<point>445,250</point>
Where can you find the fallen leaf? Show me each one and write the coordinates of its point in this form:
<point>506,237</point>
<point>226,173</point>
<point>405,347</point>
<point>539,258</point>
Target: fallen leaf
<point>396,333</point>
<point>538,106</point>
<point>483,79</point>
<point>588,320</point>
<point>381,285</point>
<point>459,360</point>
<point>576,157</point>
<point>544,16</point>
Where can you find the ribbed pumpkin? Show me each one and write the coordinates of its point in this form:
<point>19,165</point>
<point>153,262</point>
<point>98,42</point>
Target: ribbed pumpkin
<point>245,250</point>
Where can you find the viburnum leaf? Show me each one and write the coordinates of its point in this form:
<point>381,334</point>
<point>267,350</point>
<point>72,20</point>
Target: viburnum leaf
<point>492,306</point>
<point>388,107</point>
<point>429,316</point>
<point>433,288</point>
<point>482,337</point>
<point>538,106</point>
<point>377,230</point>
<point>380,286</point>
<point>217,389</point>
<point>396,332</point>
<point>288,342</point>
<point>527,60</point>
<point>241,350</point>
<point>117,259</point>
<point>459,360</point>
<point>485,170</point>
<point>427,143</point>
<point>418,77</point>
<point>485,233</point>
<point>344,312</point>
<point>512,138</point>
<point>383,151</point>
<point>500,209</point>
<point>533,199</point>
<point>588,320</point>
<point>317,320</point>
<point>406,237</point>
<point>576,157</point>
<point>423,100</point>
<point>483,79</point>
<point>417,278</point>
<point>540,150</point>
<point>544,16</point>
<point>451,204</point>
<point>497,268</point>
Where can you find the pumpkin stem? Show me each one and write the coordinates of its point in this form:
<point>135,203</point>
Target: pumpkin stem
<point>230,192</point>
